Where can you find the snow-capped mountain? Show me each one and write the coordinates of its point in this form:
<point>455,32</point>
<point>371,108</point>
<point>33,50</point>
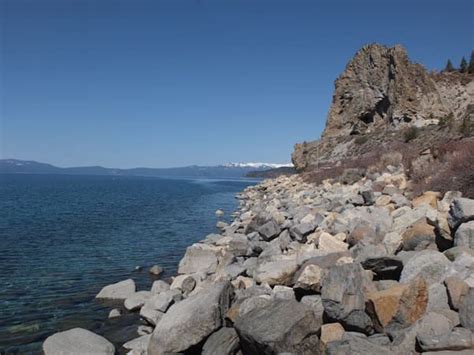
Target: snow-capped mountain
<point>258,165</point>
<point>231,170</point>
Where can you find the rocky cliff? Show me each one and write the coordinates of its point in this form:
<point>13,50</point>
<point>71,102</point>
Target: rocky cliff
<point>382,90</point>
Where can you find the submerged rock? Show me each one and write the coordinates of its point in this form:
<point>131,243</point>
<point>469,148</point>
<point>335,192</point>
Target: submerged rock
<point>117,291</point>
<point>156,270</point>
<point>77,341</point>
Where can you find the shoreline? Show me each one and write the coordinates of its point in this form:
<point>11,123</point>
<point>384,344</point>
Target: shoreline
<point>291,252</point>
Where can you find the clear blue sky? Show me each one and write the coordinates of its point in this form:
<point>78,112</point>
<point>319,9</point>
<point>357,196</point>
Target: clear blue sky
<point>172,83</point>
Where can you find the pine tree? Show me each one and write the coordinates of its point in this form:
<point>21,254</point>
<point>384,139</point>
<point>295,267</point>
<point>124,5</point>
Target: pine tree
<point>463,65</point>
<point>449,66</point>
<point>470,69</point>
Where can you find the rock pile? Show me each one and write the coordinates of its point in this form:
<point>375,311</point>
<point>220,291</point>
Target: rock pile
<point>328,269</point>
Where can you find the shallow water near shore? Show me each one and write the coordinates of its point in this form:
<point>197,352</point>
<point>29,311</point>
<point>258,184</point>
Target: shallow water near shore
<point>62,238</point>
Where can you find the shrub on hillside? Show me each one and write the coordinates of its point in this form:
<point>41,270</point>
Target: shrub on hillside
<point>392,158</point>
<point>447,121</point>
<point>410,133</point>
<point>361,140</point>
<point>467,127</point>
<point>452,170</point>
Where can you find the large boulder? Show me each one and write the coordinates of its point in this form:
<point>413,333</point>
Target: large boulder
<point>309,278</point>
<point>117,291</point>
<point>223,342</point>
<point>354,344</point>
<point>344,290</point>
<point>137,300</point>
<point>460,211</point>
<point>432,324</point>
<point>77,341</point>
<point>399,306</point>
<point>418,236</point>
<point>330,244</point>
<point>464,236</point>
<point>466,310</point>
<point>277,327</point>
<point>192,320</point>
<point>457,289</point>
<point>277,271</point>
<point>198,258</point>
<point>269,230</point>
<point>138,345</point>
<point>431,265</point>
<point>455,340</point>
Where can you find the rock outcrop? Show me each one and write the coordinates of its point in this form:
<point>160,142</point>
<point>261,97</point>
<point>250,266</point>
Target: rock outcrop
<point>382,90</point>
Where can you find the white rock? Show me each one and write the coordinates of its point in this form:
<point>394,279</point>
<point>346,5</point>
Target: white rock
<point>118,291</point>
<point>77,341</point>
<point>330,244</point>
<point>137,300</point>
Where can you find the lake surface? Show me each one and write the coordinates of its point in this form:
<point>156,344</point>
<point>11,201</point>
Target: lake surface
<point>62,238</point>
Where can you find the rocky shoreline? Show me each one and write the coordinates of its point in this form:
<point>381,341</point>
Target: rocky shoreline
<point>361,267</point>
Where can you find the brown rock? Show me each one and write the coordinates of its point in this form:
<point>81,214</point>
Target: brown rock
<point>428,198</point>
<point>418,236</point>
<point>456,290</point>
<point>363,231</point>
<point>331,332</point>
<point>399,306</point>
<point>383,200</point>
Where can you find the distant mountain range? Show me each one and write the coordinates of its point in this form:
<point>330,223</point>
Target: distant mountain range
<point>231,170</point>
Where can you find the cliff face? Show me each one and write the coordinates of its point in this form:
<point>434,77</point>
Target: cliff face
<point>381,90</point>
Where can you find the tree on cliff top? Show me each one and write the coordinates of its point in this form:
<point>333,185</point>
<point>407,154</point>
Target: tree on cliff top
<point>463,65</point>
<point>449,66</point>
<point>470,69</point>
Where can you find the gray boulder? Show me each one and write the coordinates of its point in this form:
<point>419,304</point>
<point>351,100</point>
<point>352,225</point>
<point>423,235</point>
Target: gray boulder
<point>315,303</point>
<point>160,286</point>
<point>269,230</point>
<point>275,272</point>
<point>137,300</point>
<point>117,291</point>
<point>223,342</point>
<point>343,292</point>
<point>437,298</point>
<point>301,231</point>
<point>77,341</point>
<point>431,265</point>
<point>192,320</point>
<point>457,339</point>
<point>277,327</point>
<point>138,345</point>
<point>198,258</point>
<point>460,211</point>
<point>466,310</point>
<point>464,236</point>
<point>432,324</point>
<point>239,245</point>
<point>355,345</point>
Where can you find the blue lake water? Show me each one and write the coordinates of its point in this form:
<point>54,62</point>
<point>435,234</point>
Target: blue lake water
<point>62,238</point>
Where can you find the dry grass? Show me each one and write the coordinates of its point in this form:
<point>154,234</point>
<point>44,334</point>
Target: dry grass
<point>453,169</point>
<point>450,166</point>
